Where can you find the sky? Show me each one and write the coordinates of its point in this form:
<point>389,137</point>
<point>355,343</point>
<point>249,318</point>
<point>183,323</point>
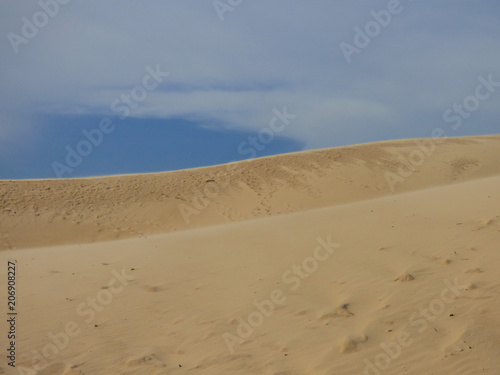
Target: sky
<point>93,87</point>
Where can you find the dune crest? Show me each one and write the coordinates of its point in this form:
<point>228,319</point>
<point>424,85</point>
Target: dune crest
<point>38,213</point>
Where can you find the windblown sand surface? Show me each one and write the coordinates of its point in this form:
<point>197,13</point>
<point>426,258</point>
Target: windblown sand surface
<point>308,263</point>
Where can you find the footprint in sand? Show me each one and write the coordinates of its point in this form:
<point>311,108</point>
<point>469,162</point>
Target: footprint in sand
<point>153,289</point>
<point>340,312</point>
<point>383,248</point>
<point>474,270</point>
<point>470,287</point>
<point>350,344</point>
<point>485,224</point>
<point>404,278</point>
<point>151,362</point>
<point>74,371</point>
<point>444,261</point>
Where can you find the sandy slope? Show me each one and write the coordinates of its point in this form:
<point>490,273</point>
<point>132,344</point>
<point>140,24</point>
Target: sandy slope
<point>406,282</point>
<point>40,213</point>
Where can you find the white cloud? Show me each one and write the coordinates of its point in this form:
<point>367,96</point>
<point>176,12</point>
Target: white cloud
<point>265,54</point>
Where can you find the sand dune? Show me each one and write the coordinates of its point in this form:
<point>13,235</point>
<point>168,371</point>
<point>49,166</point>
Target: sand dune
<point>306,263</point>
<point>51,212</point>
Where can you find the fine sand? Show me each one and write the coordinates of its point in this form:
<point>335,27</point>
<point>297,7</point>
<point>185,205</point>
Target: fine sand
<point>371,259</point>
